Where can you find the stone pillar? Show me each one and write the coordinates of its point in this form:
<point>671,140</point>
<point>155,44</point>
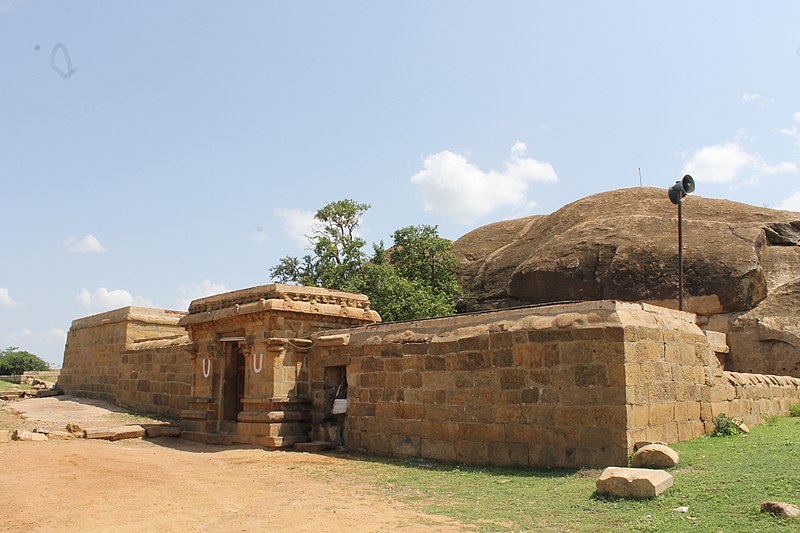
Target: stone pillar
<point>277,410</point>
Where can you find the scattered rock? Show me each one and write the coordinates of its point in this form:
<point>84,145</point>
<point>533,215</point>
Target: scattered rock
<point>43,431</point>
<point>29,435</point>
<point>743,427</point>
<point>60,435</point>
<point>643,443</point>
<point>97,433</point>
<point>635,483</point>
<point>162,431</point>
<point>781,509</point>
<point>126,432</point>
<point>75,429</point>
<point>655,456</point>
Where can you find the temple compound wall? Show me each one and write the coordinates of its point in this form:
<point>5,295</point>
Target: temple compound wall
<point>572,385</point>
<point>135,357</point>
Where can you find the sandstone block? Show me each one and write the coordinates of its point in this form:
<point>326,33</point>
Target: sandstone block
<point>60,435</point>
<point>97,433</point>
<point>312,447</point>
<point>162,431</point>
<point>29,436</point>
<point>782,509</point>
<point>655,456</point>
<point>635,483</point>
<point>127,432</point>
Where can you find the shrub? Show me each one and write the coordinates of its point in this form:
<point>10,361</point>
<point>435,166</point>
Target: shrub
<point>15,361</point>
<point>794,409</point>
<point>725,426</point>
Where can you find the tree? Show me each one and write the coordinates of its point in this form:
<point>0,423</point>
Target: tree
<point>338,258</point>
<point>412,279</point>
<point>15,361</point>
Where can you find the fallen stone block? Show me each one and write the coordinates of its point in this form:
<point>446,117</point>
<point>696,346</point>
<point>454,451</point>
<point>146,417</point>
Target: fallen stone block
<point>638,483</point>
<point>97,433</point>
<point>60,435</point>
<point>29,436</point>
<point>126,432</point>
<point>162,431</point>
<point>655,456</point>
<point>781,509</point>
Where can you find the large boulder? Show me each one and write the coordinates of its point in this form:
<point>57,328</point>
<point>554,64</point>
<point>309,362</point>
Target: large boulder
<point>741,266</point>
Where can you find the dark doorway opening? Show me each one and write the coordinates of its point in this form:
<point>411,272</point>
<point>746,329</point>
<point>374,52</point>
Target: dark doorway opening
<point>232,386</point>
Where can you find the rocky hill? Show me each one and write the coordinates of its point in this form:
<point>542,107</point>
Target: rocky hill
<point>741,266</point>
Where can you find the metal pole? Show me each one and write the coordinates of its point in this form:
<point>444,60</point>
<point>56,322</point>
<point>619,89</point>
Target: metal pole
<point>680,254</point>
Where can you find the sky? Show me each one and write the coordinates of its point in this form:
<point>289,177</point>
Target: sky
<point>156,152</point>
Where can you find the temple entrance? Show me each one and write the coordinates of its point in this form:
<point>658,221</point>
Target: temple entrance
<point>232,385</point>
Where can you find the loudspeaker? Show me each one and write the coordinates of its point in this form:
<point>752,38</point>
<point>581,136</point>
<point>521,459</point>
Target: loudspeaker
<point>680,189</point>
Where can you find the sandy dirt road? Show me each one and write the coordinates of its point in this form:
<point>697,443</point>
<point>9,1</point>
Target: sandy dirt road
<point>175,485</point>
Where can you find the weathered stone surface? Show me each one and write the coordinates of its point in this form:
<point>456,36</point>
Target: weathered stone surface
<point>60,435</point>
<point>75,429</point>
<point>635,483</point>
<point>126,432</point>
<point>97,433</point>
<point>162,431</point>
<point>655,456</point>
<point>312,447</point>
<point>782,509</point>
<point>741,262</point>
<point>29,436</point>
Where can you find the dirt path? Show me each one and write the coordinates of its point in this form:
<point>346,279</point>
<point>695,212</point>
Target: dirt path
<point>175,485</point>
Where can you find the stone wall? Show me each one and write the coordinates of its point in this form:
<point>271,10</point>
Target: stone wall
<point>132,356</point>
<point>559,386</point>
<point>155,379</point>
<point>750,397</point>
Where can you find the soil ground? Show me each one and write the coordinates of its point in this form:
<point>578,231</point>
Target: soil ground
<point>168,484</point>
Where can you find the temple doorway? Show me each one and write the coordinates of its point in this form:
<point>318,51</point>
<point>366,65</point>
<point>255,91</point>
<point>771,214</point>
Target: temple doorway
<point>232,385</point>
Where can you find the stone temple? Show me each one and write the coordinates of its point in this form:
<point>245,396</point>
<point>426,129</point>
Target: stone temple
<point>566,385</point>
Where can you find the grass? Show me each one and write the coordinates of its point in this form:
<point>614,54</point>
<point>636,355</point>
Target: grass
<point>794,409</point>
<point>722,480</point>
<point>6,386</point>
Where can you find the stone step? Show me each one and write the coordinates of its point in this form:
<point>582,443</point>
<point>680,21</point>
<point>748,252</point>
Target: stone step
<point>312,447</point>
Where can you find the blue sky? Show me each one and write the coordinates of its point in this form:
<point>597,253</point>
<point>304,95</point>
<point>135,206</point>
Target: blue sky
<point>155,152</point>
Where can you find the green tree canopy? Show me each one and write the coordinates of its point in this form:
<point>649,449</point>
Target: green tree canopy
<point>414,278</point>
<point>15,361</point>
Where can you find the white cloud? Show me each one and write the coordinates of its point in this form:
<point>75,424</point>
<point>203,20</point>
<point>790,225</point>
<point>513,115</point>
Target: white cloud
<point>103,300</point>
<point>86,245</point>
<point>193,291</point>
<point>723,163</point>
<point>751,97</point>
<point>5,298</point>
<point>461,191</point>
<point>53,335</point>
<point>796,116</point>
<point>792,203</point>
<point>297,224</point>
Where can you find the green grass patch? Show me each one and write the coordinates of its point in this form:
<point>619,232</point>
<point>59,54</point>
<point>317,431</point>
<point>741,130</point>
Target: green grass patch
<point>6,386</point>
<point>794,409</point>
<point>722,481</point>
